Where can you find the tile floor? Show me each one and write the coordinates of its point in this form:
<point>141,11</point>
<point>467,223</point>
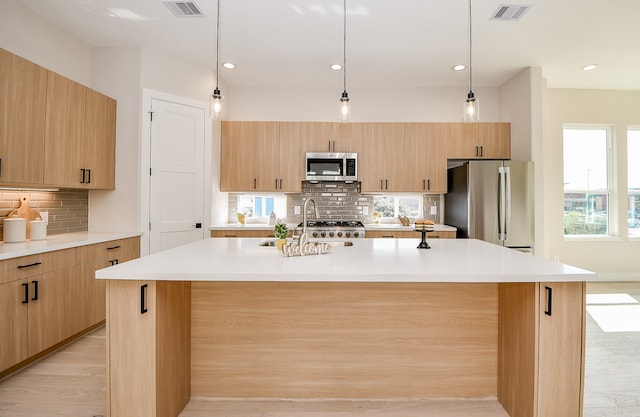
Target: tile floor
<point>71,382</point>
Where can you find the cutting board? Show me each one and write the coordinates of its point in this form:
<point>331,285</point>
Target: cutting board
<point>26,212</point>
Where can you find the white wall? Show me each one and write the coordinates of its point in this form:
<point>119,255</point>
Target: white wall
<point>616,257</point>
<point>35,38</point>
<point>367,104</point>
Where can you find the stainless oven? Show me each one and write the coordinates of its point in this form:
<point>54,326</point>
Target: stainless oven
<point>331,166</point>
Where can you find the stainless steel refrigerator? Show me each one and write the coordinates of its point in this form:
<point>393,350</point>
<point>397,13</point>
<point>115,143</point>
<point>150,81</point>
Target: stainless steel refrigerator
<point>492,201</point>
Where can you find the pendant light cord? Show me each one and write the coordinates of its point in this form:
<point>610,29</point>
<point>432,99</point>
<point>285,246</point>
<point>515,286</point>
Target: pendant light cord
<point>344,47</point>
<point>470,48</point>
<point>217,43</point>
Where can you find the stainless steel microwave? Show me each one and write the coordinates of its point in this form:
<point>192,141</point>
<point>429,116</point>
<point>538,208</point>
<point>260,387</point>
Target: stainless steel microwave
<point>331,166</point>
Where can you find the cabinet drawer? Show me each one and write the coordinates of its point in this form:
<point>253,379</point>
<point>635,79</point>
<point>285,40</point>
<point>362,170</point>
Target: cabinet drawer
<point>243,233</point>
<point>28,266</point>
<point>121,249</point>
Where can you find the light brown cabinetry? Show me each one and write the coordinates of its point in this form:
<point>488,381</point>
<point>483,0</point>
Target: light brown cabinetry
<point>22,111</point>
<point>331,137</point>
<point>426,157</point>
<point>149,331</point>
<point>541,345</point>
<point>242,233</point>
<point>56,132</point>
<point>479,141</point>
<point>48,298</point>
<point>398,234</point>
<point>383,165</point>
<point>80,136</point>
<point>261,156</point>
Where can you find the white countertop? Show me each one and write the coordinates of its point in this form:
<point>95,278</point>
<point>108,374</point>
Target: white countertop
<point>368,226</point>
<point>368,260</point>
<point>59,242</point>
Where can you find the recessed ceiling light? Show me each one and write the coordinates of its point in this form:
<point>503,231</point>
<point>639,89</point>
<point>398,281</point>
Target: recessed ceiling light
<point>459,67</point>
<point>229,65</point>
<point>589,67</point>
<point>336,67</point>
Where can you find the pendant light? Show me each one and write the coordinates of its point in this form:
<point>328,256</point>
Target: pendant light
<point>345,103</point>
<point>471,104</point>
<point>216,109</point>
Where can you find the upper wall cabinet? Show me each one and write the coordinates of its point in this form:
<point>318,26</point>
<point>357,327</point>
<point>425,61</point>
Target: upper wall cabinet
<point>331,137</point>
<point>261,156</point>
<point>80,136</point>
<point>54,131</point>
<point>23,88</point>
<point>426,157</point>
<point>479,141</point>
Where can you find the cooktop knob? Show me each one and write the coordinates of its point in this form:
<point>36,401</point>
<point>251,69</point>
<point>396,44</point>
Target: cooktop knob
<point>314,234</point>
<point>347,234</point>
<point>323,234</point>
<point>331,234</point>
<point>339,234</point>
<point>356,234</point>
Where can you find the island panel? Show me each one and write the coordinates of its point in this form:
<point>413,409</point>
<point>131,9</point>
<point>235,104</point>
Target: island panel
<point>344,340</point>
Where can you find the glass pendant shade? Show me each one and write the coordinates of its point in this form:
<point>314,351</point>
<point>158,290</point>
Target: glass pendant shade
<point>345,108</point>
<point>216,108</point>
<point>471,109</point>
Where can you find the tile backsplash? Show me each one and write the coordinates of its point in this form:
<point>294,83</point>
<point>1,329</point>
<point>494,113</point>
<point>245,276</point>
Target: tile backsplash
<point>68,209</point>
<point>339,201</point>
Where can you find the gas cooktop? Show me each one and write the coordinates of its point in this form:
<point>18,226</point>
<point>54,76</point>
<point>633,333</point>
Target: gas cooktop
<point>333,223</point>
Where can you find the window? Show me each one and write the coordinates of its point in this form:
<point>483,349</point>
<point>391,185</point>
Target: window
<point>633,174</point>
<point>262,205</point>
<point>586,181</point>
<point>391,206</point>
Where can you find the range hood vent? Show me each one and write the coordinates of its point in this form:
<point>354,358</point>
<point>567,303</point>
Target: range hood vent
<point>510,12</point>
<point>184,8</point>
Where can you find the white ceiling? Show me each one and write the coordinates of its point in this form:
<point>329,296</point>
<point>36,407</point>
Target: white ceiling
<point>389,42</point>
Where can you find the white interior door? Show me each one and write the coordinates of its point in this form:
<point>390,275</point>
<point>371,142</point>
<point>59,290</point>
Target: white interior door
<point>176,203</point>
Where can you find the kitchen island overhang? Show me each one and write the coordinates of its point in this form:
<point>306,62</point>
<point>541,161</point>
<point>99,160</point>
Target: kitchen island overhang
<point>380,319</point>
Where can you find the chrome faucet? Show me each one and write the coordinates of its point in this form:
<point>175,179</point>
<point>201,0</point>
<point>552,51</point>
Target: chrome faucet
<point>304,213</point>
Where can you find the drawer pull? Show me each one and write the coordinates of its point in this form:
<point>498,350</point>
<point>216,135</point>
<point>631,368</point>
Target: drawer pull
<point>35,290</point>
<point>549,291</point>
<point>29,265</point>
<point>26,293</point>
<point>114,262</point>
<point>114,247</point>
<point>143,299</point>
<point>230,235</point>
<point>392,236</point>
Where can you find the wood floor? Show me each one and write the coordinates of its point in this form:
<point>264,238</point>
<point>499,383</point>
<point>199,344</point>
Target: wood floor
<point>71,382</point>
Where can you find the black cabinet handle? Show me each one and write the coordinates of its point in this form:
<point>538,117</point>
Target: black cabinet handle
<point>29,265</point>
<point>114,262</point>
<point>382,184</point>
<point>143,299</point>
<point>35,290</point>
<point>386,184</point>
<point>481,150</point>
<point>428,184</point>
<point>0,167</point>
<point>88,176</point>
<point>424,184</point>
<point>549,291</point>
<point>114,247</point>
<point>26,293</point>
<point>84,173</point>
<point>281,183</point>
<point>255,183</point>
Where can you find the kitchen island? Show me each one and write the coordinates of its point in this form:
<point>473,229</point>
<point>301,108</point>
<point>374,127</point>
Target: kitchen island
<point>379,319</point>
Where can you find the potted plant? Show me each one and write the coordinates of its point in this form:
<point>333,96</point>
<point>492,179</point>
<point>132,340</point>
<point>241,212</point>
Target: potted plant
<point>280,232</point>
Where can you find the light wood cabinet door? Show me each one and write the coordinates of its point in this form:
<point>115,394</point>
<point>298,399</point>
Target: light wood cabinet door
<point>100,137</point>
<point>22,109</point>
<point>372,163</point>
<point>64,134</point>
<point>291,158</point>
<point>238,169</point>
<point>495,139</point>
<point>347,137</point>
<point>395,158</point>
<point>561,349</point>
<point>400,234</point>
<point>331,137</point>
<point>14,342</point>
<point>479,141</point>
<point>266,156</point>
<point>426,157</point>
<point>315,136</point>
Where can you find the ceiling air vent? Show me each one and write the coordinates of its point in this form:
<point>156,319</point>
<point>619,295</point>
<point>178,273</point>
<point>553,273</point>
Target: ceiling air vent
<point>509,12</point>
<point>184,8</point>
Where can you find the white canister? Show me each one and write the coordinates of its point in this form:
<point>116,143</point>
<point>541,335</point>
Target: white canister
<point>38,230</point>
<point>14,229</point>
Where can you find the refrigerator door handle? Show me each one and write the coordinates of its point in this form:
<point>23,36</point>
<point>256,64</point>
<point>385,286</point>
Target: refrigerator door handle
<point>507,217</point>
<point>502,203</point>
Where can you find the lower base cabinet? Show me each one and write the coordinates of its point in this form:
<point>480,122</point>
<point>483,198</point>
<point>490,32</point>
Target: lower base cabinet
<point>49,298</point>
<point>399,234</point>
<point>149,348</point>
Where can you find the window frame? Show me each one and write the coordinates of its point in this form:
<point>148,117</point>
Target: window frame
<point>612,224</point>
<point>396,203</point>
<point>628,190</point>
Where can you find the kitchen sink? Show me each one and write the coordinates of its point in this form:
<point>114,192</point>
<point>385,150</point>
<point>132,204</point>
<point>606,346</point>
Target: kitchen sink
<point>332,243</point>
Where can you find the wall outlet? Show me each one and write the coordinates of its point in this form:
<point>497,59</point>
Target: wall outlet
<point>296,209</point>
<point>434,210</point>
<point>365,210</point>
<point>45,216</point>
